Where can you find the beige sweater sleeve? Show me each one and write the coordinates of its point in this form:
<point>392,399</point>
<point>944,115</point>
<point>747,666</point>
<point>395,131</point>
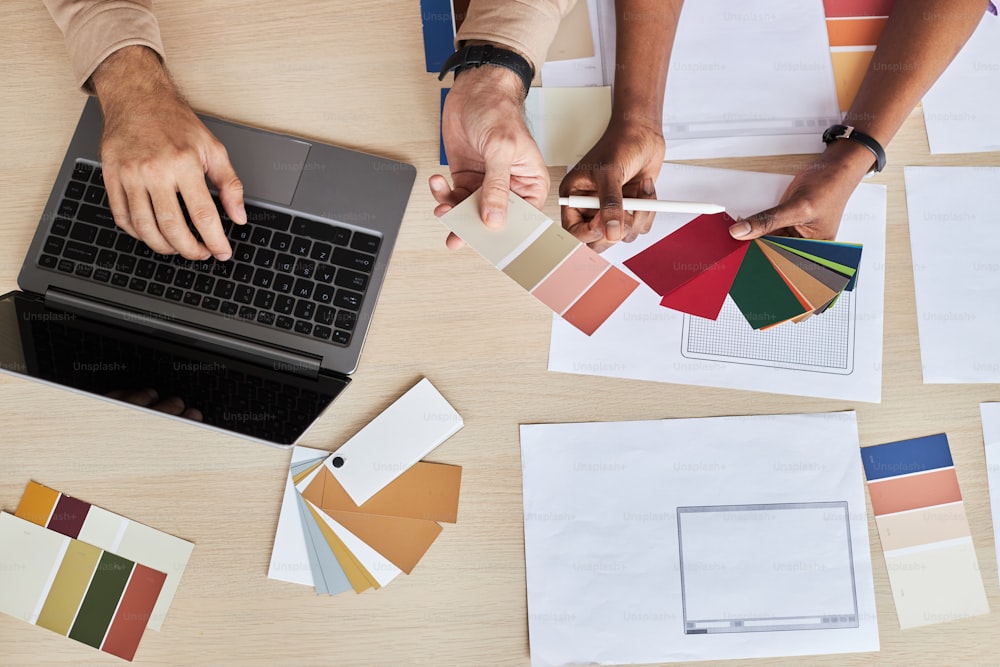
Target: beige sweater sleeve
<point>94,29</point>
<point>528,26</point>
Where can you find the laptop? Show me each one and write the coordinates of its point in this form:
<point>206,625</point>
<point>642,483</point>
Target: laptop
<point>258,346</point>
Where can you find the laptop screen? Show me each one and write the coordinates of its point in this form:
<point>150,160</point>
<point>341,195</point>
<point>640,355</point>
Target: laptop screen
<point>119,364</point>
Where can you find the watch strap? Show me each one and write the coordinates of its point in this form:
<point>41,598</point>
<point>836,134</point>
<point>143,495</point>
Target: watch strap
<point>835,132</point>
<point>473,56</point>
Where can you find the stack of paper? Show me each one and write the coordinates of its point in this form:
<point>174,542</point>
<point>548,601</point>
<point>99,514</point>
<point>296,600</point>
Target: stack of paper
<point>771,280</point>
<point>545,259</point>
<point>357,518</point>
<point>86,573</point>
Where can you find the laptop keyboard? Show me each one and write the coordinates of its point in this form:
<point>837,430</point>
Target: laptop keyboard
<point>287,272</point>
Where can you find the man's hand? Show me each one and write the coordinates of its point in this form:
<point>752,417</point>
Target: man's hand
<point>154,147</point>
<point>814,202</point>
<point>489,146</point>
<point>624,163</point>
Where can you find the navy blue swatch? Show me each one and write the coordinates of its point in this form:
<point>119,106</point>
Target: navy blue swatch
<point>848,255</point>
<point>906,457</point>
<point>439,32</point>
<point>444,156</point>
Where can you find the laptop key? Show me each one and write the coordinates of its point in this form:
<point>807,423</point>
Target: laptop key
<point>264,258</point>
<point>323,294</point>
<point>75,189</point>
<point>346,319</point>
<point>300,247</point>
<point>84,270</point>
<point>365,242</point>
<point>224,289</point>
<point>341,235</point>
<point>303,288</point>
<point>145,268</point>
<point>263,278</point>
<point>283,283</point>
<point>325,315</point>
<point>284,322</point>
<point>322,332</point>
<point>98,216</point>
<point>98,177</point>
<point>265,317</point>
<point>137,284</point>
<point>184,279</point>
<point>125,243</point>
<point>303,327</point>
<point>243,273</point>
<point>165,273</point>
<point>192,299</point>
<point>281,242</point>
<point>260,236</point>
<point>284,305</point>
<point>305,268</point>
<point>94,195</point>
<point>228,308</point>
<point>203,266</point>
<point>264,299</point>
<point>341,337</point>
<point>353,260</point>
<point>347,299</point>
<point>351,279</point>
<point>223,269</point>
<point>156,289</point>
<point>79,252</point>
<point>82,171</point>
<point>60,226</point>
<point>243,252</point>
<point>174,294</point>
<point>48,261</point>
<point>106,238</point>
<point>325,273</point>
<point>284,263</point>
<point>244,294</point>
<point>304,309</point>
<point>119,280</point>
<point>247,313</point>
<point>53,245</point>
<point>204,284</point>
<point>83,232</point>
<point>321,252</point>
<point>241,233</point>
<point>68,208</point>
<point>210,303</point>
<point>102,275</point>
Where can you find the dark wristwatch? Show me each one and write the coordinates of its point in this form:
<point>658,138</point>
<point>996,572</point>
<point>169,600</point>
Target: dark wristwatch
<point>470,57</point>
<point>835,132</point>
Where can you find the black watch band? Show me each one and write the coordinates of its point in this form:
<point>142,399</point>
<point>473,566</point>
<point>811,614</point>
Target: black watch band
<point>835,132</point>
<point>470,57</point>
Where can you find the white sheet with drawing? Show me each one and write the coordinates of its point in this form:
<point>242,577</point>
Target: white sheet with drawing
<point>837,354</point>
<point>696,539</point>
<point>749,78</point>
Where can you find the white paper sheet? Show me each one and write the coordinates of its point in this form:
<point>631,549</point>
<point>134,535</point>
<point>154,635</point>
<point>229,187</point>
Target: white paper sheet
<point>753,78</point>
<point>603,543</point>
<point>842,348</point>
<point>990,413</point>
<point>954,238</point>
<point>962,109</point>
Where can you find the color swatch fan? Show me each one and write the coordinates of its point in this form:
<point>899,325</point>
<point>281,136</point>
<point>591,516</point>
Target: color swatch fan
<point>773,279</point>
<point>357,518</point>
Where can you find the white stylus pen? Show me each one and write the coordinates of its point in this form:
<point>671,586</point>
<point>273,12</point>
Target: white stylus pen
<point>658,205</point>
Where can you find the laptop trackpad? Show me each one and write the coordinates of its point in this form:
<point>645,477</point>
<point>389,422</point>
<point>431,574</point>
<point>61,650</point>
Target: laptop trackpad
<point>268,164</point>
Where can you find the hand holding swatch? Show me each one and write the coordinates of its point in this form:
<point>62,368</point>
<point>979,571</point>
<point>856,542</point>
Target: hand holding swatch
<point>545,259</point>
<point>771,280</point>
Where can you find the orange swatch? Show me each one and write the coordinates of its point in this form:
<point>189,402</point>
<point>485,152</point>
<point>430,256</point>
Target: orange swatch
<point>898,494</point>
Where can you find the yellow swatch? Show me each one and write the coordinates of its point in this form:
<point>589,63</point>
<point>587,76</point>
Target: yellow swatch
<point>37,503</point>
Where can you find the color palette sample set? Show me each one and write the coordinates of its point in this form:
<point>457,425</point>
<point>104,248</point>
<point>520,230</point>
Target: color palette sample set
<point>773,279</point>
<point>357,518</point>
<point>543,258</point>
<point>86,573</point>
<point>924,531</point>
<point>854,28</point>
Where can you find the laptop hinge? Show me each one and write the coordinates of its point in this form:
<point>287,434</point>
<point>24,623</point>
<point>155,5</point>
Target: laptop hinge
<point>262,355</point>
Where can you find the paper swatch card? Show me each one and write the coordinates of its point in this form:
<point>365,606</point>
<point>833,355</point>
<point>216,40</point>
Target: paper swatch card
<point>924,531</point>
<point>76,589</point>
<point>990,413</point>
<point>771,280</point>
<point>326,538</point>
<point>80,520</point>
<point>854,28</point>
<point>543,258</point>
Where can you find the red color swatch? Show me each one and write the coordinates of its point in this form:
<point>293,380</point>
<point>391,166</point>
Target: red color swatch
<point>704,295</point>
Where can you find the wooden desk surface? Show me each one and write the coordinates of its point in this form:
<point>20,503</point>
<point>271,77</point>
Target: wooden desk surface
<point>353,74</point>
